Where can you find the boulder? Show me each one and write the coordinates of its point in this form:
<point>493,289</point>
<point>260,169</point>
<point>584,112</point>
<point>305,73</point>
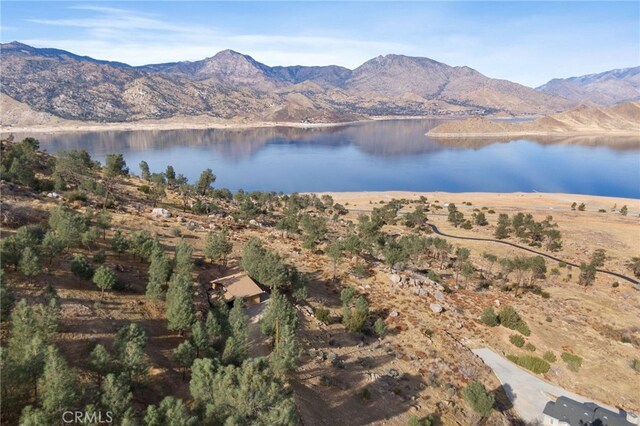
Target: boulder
<point>395,278</point>
<point>439,295</point>
<point>394,314</point>
<point>436,308</point>
<point>54,195</point>
<point>157,212</point>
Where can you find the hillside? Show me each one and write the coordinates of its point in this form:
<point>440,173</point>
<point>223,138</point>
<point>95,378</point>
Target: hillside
<point>234,87</point>
<point>606,88</point>
<point>619,120</point>
<point>385,325</point>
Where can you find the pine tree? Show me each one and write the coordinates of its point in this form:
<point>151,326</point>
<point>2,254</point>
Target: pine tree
<point>183,262</point>
<point>51,246</point>
<point>103,221</point>
<point>203,371</point>
<point>116,396</point>
<point>180,310</point>
<point>184,355</point>
<point>279,310</point>
<point>58,385</point>
<point>105,279</point>
<point>174,413</point>
<point>33,417</point>
<point>100,361</point>
<point>29,264</point>
<point>284,357</point>
<point>335,252</point>
<point>217,324</point>
<point>502,229</point>
<point>235,351</point>
<point>152,417</point>
<point>258,398</point>
<point>119,243</point>
<point>134,361</point>
<point>159,271</point>
<point>200,339</point>
<point>217,246</point>
<point>131,333</point>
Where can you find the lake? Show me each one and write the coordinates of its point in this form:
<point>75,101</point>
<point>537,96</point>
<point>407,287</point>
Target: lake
<point>372,156</point>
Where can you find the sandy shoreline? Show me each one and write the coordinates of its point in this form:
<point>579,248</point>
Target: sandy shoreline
<point>524,134</point>
<point>523,199</point>
<point>188,123</point>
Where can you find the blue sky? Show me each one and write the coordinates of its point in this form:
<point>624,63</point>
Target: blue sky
<point>526,42</point>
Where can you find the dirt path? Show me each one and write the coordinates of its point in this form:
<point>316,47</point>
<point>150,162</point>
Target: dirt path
<point>548,256</point>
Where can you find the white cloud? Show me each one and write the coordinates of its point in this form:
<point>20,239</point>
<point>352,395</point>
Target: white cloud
<point>139,38</point>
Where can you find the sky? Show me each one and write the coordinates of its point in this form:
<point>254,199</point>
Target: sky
<point>526,42</point>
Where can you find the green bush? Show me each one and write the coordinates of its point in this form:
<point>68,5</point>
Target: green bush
<point>322,314</point>
<point>529,347</point>
<point>532,363</point>
<point>425,421</point>
<point>510,319</point>
<point>80,267</point>
<point>476,395</point>
<point>517,340</point>
<point>549,357</point>
<point>574,362</point>
<point>635,364</point>
<point>489,317</point>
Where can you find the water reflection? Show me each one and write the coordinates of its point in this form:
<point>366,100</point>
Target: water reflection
<point>378,155</point>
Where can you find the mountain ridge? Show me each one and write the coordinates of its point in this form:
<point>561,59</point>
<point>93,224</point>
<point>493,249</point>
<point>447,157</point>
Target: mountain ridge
<point>605,88</point>
<point>233,86</point>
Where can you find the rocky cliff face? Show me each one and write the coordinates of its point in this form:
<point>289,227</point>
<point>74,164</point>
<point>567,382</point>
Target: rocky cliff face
<point>231,85</point>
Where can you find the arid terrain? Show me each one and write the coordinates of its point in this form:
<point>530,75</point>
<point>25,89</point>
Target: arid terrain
<point>422,363</point>
<point>619,120</point>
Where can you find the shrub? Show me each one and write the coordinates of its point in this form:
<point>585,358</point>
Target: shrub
<point>76,196</point>
<point>517,340</point>
<point>80,267</point>
<point>635,364</point>
<point>532,363</point>
<point>549,357</point>
<point>615,284</point>
<point>144,188</point>
<point>176,232</point>
<point>322,314</point>
<point>100,256</point>
<point>380,327</point>
<point>510,319</point>
<point>489,317</point>
<point>529,347</point>
<point>360,271</point>
<point>548,319</point>
<point>476,395</point>
<point>365,394</point>
<point>425,421</point>
<point>574,362</point>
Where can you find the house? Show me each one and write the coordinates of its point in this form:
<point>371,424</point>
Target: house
<point>568,412</point>
<point>237,286</point>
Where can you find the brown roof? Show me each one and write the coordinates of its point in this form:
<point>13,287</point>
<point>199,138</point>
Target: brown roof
<point>238,285</point>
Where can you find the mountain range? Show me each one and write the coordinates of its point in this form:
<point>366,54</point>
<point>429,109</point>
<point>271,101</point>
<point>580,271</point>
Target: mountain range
<point>233,86</point>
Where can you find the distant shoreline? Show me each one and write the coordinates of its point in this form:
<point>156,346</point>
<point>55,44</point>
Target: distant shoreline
<point>200,123</point>
<point>480,135</point>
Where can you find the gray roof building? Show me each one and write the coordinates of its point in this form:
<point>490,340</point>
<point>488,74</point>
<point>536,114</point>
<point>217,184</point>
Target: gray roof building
<point>568,412</point>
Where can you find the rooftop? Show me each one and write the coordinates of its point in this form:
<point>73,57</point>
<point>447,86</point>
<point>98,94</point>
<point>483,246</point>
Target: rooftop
<point>578,414</point>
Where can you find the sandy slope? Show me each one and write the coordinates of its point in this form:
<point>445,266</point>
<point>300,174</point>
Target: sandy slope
<point>619,120</point>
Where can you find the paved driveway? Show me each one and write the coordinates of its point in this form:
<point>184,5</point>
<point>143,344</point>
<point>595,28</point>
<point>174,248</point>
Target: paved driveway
<point>528,393</point>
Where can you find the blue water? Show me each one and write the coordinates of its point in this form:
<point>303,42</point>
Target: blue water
<point>389,155</point>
